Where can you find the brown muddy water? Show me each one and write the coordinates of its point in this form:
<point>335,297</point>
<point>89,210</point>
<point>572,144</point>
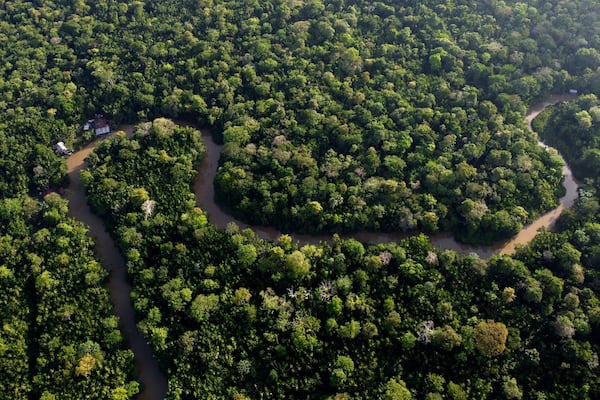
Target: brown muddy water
<point>205,198</point>
<point>154,382</point>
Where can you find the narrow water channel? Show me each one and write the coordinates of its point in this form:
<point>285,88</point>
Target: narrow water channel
<point>205,198</point>
<point>154,382</point>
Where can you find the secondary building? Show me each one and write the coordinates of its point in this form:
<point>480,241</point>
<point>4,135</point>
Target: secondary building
<point>99,124</point>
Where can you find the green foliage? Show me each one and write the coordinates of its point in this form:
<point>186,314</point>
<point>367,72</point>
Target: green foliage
<point>160,145</point>
<point>490,337</point>
<point>297,265</point>
<point>59,338</point>
<point>396,390</point>
<point>343,319</point>
<point>335,116</point>
<point>446,338</point>
<point>203,305</point>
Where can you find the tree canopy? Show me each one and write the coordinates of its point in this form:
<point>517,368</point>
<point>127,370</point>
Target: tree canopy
<point>342,319</point>
<point>337,116</point>
<point>334,116</point>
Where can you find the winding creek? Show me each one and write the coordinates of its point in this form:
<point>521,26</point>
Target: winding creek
<point>205,198</point>
<point>153,380</point>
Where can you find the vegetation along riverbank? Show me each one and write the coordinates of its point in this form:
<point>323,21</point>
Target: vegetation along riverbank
<point>359,117</point>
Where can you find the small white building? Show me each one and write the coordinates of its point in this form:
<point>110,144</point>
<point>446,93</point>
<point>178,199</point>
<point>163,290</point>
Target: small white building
<point>103,130</point>
<point>61,149</point>
<point>573,91</point>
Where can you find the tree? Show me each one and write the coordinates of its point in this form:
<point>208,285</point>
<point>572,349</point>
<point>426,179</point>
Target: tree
<point>563,327</point>
<point>511,389</point>
<point>247,254</point>
<point>584,119</point>
<point>395,389</point>
<point>241,296</point>
<point>330,113</point>
<point>344,367</point>
<point>446,338</point>
<point>236,134</point>
<point>203,306</point>
<point>350,61</point>
<point>350,330</point>
<point>85,366</point>
<point>456,392</point>
<point>176,294</point>
<point>138,197</point>
<point>490,337</point>
<point>297,265</point>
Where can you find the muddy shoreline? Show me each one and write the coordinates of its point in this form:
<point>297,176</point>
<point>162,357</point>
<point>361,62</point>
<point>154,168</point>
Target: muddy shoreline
<point>154,382</point>
<point>205,199</point>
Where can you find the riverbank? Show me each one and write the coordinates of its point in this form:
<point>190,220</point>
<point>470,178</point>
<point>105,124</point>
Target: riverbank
<point>154,382</point>
<point>205,199</point>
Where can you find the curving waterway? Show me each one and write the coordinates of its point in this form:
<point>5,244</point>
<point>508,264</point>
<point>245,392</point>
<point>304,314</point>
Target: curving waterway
<point>153,380</point>
<point>205,198</point>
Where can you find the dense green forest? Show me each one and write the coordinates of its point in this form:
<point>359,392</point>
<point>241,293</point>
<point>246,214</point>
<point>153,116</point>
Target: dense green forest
<point>335,116</point>
<point>574,129</point>
<point>230,314</point>
<point>59,338</point>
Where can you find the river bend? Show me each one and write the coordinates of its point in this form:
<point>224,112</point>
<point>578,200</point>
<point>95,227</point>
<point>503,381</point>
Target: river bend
<point>205,198</point>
